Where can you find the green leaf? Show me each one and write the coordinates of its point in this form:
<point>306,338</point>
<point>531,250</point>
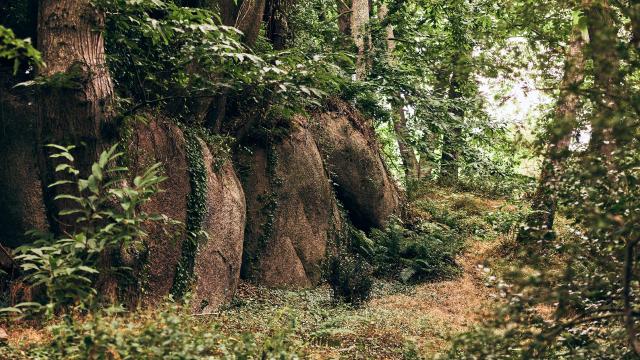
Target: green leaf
<point>96,171</point>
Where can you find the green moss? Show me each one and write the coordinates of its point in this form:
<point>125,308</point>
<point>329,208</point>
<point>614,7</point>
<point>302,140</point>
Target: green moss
<point>196,208</point>
<point>220,146</point>
<point>126,135</point>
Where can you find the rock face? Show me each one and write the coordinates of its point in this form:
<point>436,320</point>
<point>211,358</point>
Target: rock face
<point>217,263</point>
<point>292,213</point>
<point>352,157</point>
<point>21,202</point>
<point>161,141</point>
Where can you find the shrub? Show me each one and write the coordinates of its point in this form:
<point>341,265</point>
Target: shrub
<point>469,204</point>
<point>349,276</point>
<point>504,221</point>
<point>462,215</point>
<point>426,253</point>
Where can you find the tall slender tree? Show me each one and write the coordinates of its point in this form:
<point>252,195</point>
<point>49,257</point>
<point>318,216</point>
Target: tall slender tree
<point>409,160</point>
<point>539,224</point>
<point>359,20</point>
<point>459,81</point>
<point>607,75</point>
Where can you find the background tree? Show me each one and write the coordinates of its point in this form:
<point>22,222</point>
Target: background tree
<point>539,223</point>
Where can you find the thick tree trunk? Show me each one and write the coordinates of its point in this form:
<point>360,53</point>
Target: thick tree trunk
<point>539,224</point>
<point>603,37</point>
<point>76,107</point>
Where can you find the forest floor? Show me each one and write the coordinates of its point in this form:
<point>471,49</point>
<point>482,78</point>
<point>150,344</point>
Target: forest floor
<point>400,321</point>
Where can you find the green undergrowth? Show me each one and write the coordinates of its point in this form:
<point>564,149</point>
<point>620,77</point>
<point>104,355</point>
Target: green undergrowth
<point>534,282</point>
<point>166,333</point>
<point>401,318</point>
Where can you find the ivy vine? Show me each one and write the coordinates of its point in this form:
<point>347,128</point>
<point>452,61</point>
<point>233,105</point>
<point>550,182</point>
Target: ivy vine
<point>196,208</point>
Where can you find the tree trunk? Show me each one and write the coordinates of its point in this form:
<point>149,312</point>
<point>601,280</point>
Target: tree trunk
<point>634,14</point>
<point>539,224</point>
<point>275,18</point>
<point>359,21</point>
<point>249,20</point>
<point>606,67</point>
<point>430,139</point>
<point>344,17</point>
<point>449,166</point>
<point>76,107</point>
<point>409,160</point>
<point>247,17</point>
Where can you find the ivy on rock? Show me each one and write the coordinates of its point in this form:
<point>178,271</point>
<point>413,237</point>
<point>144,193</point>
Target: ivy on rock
<point>196,209</point>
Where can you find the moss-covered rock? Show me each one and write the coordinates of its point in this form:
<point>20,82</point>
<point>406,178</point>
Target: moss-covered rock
<point>162,141</point>
<point>218,259</point>
<point>292,214</point>
<point>352,156</point>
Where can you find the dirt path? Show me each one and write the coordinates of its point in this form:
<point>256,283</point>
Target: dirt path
<point>446,308</point>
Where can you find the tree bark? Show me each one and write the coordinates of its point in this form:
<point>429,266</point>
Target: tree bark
<point>344,17</point>
<point>430,139</point>
<point>606,67</point>
<point>409,160</point>
<point>449,166</point>
<point>634,15</point>
<point>539,224</point>
<point>359,20</point>
<point>76,107</point>
<point>249,19</point>
<point>275,18</point>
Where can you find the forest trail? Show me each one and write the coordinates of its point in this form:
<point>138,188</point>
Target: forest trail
<point>450,306</point>
<point>400,320</point>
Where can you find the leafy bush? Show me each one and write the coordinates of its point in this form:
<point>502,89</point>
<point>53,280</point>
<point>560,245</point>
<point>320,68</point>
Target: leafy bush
<point>504,221</point>
<point>349,276</point>
<point>18,50</point>
<point>105,210</point>
<point>454,217</point>
<point>168,333</point>
<point>425,253</point>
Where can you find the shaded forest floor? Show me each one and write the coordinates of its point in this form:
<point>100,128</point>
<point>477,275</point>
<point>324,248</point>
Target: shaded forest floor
<point>401,321</point>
